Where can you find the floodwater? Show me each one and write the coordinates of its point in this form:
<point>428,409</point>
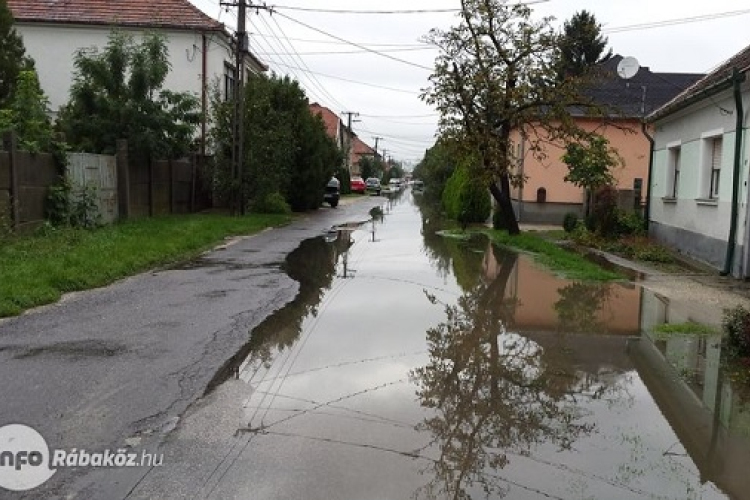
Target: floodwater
<point>414,366</point>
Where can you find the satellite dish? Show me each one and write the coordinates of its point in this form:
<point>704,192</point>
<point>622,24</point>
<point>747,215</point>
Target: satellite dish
<point>628,68</point>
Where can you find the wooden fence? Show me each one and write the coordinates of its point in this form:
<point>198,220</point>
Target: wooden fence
<point>123,189</point>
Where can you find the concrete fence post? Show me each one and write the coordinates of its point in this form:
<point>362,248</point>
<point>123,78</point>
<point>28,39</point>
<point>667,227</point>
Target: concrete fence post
<point>123,179</point>
<point>10,144</point>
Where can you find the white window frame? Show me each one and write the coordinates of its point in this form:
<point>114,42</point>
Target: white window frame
<point>712,144</point>
<point>674,165</point>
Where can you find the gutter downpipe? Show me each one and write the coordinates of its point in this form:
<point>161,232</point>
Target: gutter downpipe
<point>204,91</point>
<point>737,79</point>
<point>652,143</point>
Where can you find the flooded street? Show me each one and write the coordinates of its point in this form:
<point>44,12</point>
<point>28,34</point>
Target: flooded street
<point>411,365</point>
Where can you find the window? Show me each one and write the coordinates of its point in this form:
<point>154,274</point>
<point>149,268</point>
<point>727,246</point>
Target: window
<point>541,195</point>
<point>637,192</point>
<point>715,163</point>
<point>674,169</point>
<point>230,76</point>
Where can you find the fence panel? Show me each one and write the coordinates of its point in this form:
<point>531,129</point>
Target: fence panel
<point>99,171</point>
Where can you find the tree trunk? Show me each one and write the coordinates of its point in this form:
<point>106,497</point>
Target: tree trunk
<point>502,197</point>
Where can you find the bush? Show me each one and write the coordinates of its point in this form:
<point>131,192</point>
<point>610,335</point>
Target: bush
<point>465,199</point>
<point>345,179</point>
<point>65,208</point>
<point>273,203</point>
<point>630,223</point>
<point>570,222</point>
<point>736,325</point>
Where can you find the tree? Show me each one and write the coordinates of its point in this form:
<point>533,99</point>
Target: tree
<point>287,150</point>
<point>496,75</point>
<point>590,164</point>
<point>582,46</point>
<point>13,58</point>
<point>435,169</point>
<point>118,94</point>
<point>370,167</point>
<point>26,114</point>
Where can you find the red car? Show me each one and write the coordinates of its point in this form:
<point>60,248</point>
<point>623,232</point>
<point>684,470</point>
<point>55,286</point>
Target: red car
<point>358,185</point>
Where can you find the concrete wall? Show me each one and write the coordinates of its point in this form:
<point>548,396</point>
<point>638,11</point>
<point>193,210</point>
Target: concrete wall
<point>53,47</point>
<point>690,223</point>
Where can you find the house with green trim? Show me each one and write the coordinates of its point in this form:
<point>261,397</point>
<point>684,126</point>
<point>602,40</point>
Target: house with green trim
<point>699,197</point>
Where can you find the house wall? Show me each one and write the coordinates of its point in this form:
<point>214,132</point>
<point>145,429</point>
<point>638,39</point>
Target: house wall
<point>563,197</point>
<point>694,226</point>
<point>53,47</point>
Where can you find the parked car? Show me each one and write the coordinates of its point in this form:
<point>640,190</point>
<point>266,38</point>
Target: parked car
<point>358,185</point>
<point>333,192</point>
<point>396,184</point>
<point>417,186</point>
<point>373,185</point>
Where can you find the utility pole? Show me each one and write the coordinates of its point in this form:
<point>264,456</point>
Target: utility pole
<point>349,138</point>
<point>377,139</point>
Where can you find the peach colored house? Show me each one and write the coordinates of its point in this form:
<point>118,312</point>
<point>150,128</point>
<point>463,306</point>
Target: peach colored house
<point>546,197</point>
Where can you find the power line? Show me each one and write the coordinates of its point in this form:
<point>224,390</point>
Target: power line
<point>405,11</point>
<point>393,58</point>
<point>360,51</point>
<point>674,22</point>
<point>334,42</point>
<point>392,89</point>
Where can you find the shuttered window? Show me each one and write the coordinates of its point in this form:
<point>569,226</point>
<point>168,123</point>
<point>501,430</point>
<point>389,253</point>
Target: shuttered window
<point>716,144</point>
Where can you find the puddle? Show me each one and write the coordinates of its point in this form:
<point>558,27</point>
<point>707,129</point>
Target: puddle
<point>453,369</point>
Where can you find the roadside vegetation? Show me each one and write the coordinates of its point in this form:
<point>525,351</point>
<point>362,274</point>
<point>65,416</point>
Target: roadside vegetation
<point>39,268</point>
<point>569,264</point>
<point>667,330</point>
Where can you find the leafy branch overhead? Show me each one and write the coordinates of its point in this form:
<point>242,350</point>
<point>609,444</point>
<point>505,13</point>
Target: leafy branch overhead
<point>496,86</point>
<point>118,94</point>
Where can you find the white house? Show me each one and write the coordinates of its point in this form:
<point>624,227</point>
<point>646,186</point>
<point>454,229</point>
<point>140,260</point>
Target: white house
<point>699,188</point>
<point>200,47</point>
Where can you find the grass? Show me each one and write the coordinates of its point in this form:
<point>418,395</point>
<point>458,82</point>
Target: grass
<point>38,269</point>
<point>688,328</point>
<point>569,264</point>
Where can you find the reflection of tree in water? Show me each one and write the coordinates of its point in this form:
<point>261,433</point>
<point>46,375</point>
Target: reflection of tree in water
<point>312,264</point>
<point>490,392</point>
<point>579,305</point>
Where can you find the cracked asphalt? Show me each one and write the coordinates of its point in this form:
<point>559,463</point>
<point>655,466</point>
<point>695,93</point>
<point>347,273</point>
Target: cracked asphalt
<point>117,366</point>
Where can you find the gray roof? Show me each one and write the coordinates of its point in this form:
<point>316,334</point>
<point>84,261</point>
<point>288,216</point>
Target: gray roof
<point>715,80</point>
<point>640,95</point>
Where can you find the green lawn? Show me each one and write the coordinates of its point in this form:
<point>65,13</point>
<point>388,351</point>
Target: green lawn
<point>38,269</point>
<point>568,263</point>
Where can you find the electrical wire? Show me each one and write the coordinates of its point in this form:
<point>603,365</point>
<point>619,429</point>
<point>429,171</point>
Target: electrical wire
<point>368,49</point>
<point>406,11</point>
<point>392,89</point>
<point>360,51</point>
<point>674,22</point>
<point>334,42</point>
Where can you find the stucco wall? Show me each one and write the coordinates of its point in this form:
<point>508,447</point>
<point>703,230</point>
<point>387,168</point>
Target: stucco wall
<point>53,47</point>
<point>550,173</point>
<point>693,226</point>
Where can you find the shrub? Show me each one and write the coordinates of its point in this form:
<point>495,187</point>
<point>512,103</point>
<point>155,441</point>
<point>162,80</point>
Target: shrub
<point>66,208</point>
<point>629,223</point>
<point>465,199</point>
<point>570,222</point>
<point>736,325</point>
<point>273,203</point>
<point>342,174</point>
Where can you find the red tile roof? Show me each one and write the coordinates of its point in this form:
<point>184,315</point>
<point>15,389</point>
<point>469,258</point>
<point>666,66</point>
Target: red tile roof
<point>175,14</point>
<point>722,75</point>
<point>359,148</point>
<point>330,119</point>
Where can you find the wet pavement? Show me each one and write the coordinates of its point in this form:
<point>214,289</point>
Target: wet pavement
<point>407,365</point>
<point>411,365</point>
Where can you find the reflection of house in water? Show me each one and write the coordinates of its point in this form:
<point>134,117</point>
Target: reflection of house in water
<point>684,375</point>
<point>545,302</point>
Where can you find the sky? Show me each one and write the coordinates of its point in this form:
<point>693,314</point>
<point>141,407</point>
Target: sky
<point>325,51</point>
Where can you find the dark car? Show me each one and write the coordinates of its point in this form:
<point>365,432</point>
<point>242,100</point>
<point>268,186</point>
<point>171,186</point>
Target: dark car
<point>373,185</point>
<point>333,192</point>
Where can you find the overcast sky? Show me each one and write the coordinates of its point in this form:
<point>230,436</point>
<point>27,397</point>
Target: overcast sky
<point>386,92</point>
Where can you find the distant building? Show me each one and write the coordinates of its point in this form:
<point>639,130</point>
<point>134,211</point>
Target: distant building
<point>344,137</point>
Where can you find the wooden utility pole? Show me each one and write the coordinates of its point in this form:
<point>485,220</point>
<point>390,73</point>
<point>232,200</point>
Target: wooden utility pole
<point>237,201</point>
<point>349,138</point>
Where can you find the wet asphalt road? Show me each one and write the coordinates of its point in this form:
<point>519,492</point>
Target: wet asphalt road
<point>120,364</point>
